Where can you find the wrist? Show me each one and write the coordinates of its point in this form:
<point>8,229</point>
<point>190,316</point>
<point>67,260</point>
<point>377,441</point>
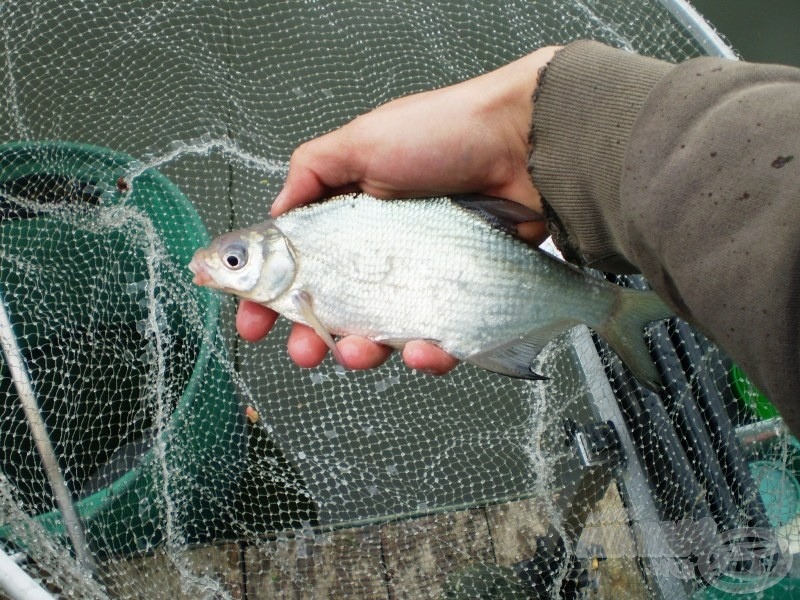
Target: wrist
<point>505,111</point>
<point>585,109</point>
<point>512,88</point>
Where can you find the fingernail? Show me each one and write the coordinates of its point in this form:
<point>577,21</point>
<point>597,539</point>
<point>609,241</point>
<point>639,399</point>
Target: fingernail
<point>428,371</point>
<point>337,356</point>
<point>279,199</point>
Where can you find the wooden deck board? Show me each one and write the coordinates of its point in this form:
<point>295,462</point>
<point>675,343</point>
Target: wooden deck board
<point>514,527</point>
<point>408,559</point>
<point>341,564</point>
<point>607,525</point>
<point>421,553</point>
<point>208,571</point>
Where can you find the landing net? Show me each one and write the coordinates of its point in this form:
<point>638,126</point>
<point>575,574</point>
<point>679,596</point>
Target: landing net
<point>135,131</point>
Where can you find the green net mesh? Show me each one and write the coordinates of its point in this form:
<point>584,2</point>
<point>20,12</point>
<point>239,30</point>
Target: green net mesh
<point>133,132</point>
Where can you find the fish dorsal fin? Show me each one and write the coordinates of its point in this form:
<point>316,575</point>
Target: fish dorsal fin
<point>515,357</point>
<point>498,212</point>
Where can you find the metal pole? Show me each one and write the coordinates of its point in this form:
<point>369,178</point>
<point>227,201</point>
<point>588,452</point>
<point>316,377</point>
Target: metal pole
<point>27,397</point>
<point>16,583</point>
<point>699,28</point>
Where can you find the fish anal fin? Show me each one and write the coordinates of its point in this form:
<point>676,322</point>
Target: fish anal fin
<point>514,358</point>
<point>304,305</point>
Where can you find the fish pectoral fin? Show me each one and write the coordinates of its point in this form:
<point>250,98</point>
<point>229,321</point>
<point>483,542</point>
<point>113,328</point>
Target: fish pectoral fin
<point>514,358</point>
<point>302,301</point>
<point>498,212</point>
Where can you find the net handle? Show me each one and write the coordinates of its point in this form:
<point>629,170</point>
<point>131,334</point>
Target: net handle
<point>15,582</point>
<point>699,28</point>
<point>27,397</point>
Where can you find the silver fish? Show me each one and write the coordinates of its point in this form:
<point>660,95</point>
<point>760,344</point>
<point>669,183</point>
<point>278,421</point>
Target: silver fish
<point>441,269</point>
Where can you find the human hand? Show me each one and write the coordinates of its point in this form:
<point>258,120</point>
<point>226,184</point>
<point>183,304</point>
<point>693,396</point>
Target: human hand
<point>471,137</point>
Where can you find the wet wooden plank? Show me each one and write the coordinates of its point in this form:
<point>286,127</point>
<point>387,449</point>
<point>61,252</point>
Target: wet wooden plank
<point>607,526</point>
<point>516,525</point>
<point>410,559</point>
<point>209,571</point>
<point>341,564</point>
<point>420,554</point>
<point>514,528</point>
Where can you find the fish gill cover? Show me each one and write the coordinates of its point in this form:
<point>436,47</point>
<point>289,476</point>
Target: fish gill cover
<point>202,466</point>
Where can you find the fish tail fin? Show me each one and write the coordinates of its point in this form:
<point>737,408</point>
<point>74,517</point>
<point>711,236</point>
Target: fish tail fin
<point>623,329</point>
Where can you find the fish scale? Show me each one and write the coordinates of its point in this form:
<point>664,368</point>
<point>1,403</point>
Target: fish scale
<point>442,269</point>
<point>433,270</point>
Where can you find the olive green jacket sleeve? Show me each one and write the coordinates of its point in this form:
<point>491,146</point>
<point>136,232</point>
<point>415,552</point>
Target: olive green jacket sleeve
<point>689,174</point>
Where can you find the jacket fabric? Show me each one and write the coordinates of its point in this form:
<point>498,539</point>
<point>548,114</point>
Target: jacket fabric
<point>690,175</point>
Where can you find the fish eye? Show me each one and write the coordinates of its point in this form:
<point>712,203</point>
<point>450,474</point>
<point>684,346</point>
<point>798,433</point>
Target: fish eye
<point>235,257</point>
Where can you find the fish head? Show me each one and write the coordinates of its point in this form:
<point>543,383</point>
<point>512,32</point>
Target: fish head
<point>256,263</point>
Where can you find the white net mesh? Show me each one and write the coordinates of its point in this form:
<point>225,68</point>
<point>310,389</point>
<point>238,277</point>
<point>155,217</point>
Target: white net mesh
<point>166,122</point>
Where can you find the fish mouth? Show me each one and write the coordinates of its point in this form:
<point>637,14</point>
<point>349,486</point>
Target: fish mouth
<point>197,266</point>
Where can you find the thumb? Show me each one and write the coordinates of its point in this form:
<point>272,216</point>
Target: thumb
<point>331,163</point>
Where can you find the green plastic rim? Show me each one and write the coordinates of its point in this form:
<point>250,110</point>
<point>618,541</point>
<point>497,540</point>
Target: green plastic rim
<point>749,396</point>
<point>125,516</point>
<point>779,490</point>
